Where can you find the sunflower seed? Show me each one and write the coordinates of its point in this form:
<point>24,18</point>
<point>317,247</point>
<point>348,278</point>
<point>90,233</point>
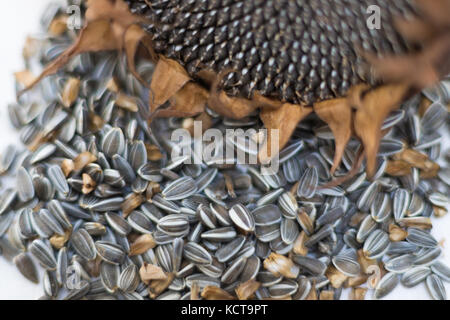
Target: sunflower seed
<point>386,285</point>
<point>110,252</point>
<point>376,245</point>
<point>308,183</point>
<point>197,254</point>
<point>421,238</point>
<point>83,244</point>
<point>26,267</point>
<point>129,279</point>
<point>436,287</point>
<point>180,189</point>
<point>242,218</point>
<point>414,276</point>
<point>400,264</point>
<point>109,276</point>
<point>43,253</point>
<point>25,189</point>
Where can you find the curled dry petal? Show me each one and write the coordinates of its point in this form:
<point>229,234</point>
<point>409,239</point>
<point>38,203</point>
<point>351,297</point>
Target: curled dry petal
<point>142,244</point>
<point>278,265</point>
<point>216,293</point>
<point>70,92</point>
<point>231,107</point>
<point>168,78</point>
<point>89,184</point>
<point>186,102</point>
<point>195,291</point>
<point>83,159</point>
<point>373,108</point>
<point>131,203</point>
<point>156,287</point>
<point>107,23</point>
<point>25,77</point>
<point>149,272</point>
<point>336,277</point>
<point>126,102</point>
<point>338,115</point>
<point>365,262</point>
<point>280,124</point>
<point>246,289</point>
<point>398,168</point>
<point>427,66</point>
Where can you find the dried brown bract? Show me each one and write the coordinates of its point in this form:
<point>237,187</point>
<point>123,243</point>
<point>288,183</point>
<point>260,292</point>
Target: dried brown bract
<point>216,293</point>
<point>82,160</point>
<point>142,244</point>
<point>246,289</point>
<point>131,203</point>
<point>70,92</point>
<point>149,272</point>
<point>281,265</point>
<point>396,233</point>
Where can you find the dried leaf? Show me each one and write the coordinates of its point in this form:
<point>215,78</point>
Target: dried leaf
<point>112,85</point>
<point>358,293</point>
<point>439,212</point>
<point>58,25</point>
<point>25,77</point>
<point>280,124</point>
<point>131,203</point>
<point>398,168</point>
<point>326,295</point>
<point>156,287</point>
<point>107,23</point>
<point>142,244</point>
<point>58,241</point>
<point>67,166</point>
<point>153,152</point>
<point>299,244</point>
<point>216,293</point>
<point>365,262</point>
<point>336,277</point>
<point>278,265</point>
<point>135,36</point>
<point>126,102</point>
<point>431,33</point>
<point>371,111</point>
<point>396,233</point>
<point>83,159</point>
<point>149,272</point>
<point>89,184</point>
<point>356,281</point>
<point>188,101</point>
<point>31,47</point>
<point>338,115</point>
<point>195,291</point>
<point>246,289</point>
<point>167,79</point>
<point>70,92</point>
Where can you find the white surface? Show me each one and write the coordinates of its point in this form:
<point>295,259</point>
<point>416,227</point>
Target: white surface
<point>19,18</point>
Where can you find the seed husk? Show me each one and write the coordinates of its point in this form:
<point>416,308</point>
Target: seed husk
<point>280,265</point>
<point>142,244</point>
<point>242,218</point>
<point>436,287</point>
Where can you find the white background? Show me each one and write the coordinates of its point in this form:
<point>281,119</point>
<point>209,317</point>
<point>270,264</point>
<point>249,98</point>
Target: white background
<point>20,18</point>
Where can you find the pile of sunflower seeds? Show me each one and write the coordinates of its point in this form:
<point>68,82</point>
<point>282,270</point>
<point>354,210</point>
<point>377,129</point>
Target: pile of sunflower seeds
<point>101,206</point>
